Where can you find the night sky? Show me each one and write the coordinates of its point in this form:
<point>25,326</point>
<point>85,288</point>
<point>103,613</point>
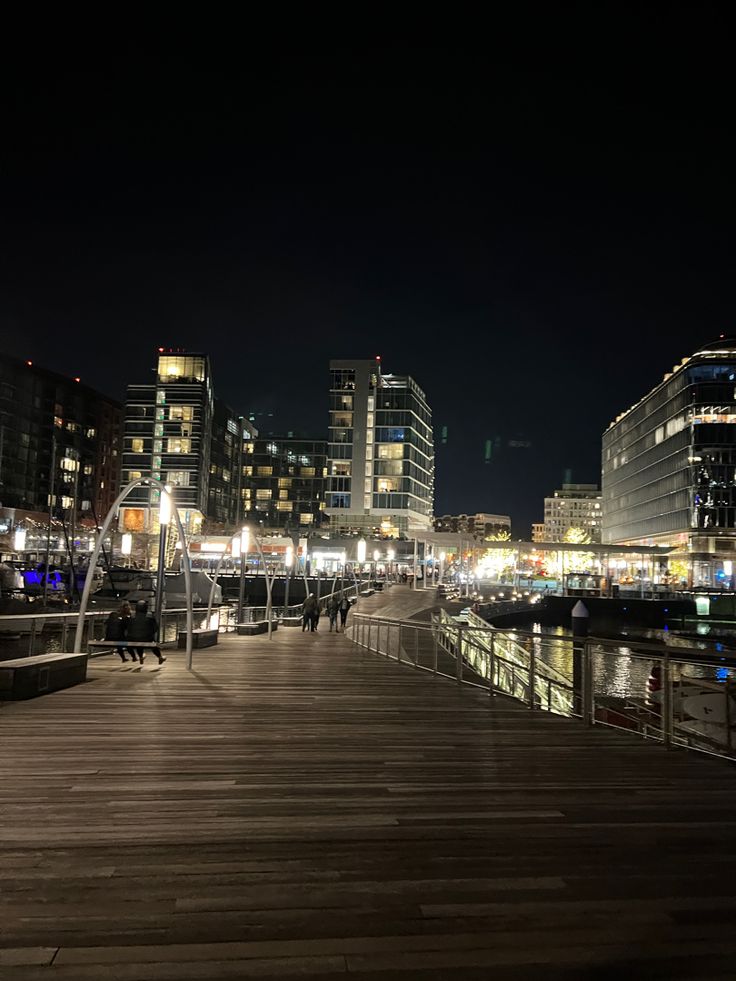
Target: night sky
<point>536,243</point>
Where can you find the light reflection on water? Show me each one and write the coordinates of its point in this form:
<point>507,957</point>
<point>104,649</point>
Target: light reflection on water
<point>616,673</point>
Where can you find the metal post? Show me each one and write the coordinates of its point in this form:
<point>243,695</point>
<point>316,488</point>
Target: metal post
<point>588,707</point>
<point>241,587</point>
<point>491,665</point>
<point>666,702</point>
<point>532,679</point>
<point>63,633</point>
<point>729,736</point>
<point>161,577</point>
<point>32,637</point>
<point>416,555</point>
<point>434,654</point>
<point>398,652</point>
<point>459,655</point>
<point>52,482</point>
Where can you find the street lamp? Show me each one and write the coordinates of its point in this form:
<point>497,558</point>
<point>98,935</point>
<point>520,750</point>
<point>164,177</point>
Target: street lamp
<point>126,545</point>
<point>288,563</point>
<point>164,517</point>
<point>19,539</point>
<point>244,545</point>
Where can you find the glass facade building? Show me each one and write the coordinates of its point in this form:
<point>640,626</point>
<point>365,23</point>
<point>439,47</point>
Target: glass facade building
<point>381,452</point>
<point>168,431</point>
<point>284,481</point>
<point>669,462</point>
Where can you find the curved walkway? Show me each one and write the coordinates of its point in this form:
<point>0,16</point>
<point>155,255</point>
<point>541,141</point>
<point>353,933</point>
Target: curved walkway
<point>295,808</point>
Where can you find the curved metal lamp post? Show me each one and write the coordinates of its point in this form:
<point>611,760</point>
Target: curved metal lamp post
<point>235,538</point>
<point>140,482</point>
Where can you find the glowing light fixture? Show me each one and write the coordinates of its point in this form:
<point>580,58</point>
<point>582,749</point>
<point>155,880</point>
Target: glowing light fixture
<point>245,541</point>
<point>376,555</point>
<point>164,507</point>
<point>19,539</point>
<point>235,547</point>
<point>289,557</point>
<point>390,555</point>
<point>361,550</point>
<point>126,543</point>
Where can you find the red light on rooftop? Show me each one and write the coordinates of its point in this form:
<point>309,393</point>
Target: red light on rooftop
<point>29,363</point>
<point>77,379</point>
<point>160,350</point>
<point>378,357</point>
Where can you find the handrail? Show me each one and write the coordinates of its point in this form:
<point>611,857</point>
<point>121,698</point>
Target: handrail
<point>688,712</point>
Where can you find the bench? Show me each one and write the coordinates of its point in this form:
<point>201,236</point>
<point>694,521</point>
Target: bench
<point>291,621</point>
<point>257,627</point>
<point>26,677</point>
<point>112,646</point>
<point>367,592</point>
<point>200,638</point>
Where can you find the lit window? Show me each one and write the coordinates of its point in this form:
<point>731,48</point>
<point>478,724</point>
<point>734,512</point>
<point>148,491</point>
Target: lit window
<point>180,368</point>
<point>306,519</point>
<point>389,451</point>
<point>58,421</point>
<point>178,445</point>
<point>284,495</point>
<point>265,471</point>
<point>136,445</point>
<point>308,471</point>
<point>284,506</point>
<point>284,481</point>
<point>68,464</point>
<point>134,474</point>
<point>90,434</point>
<point>247,471</point>
<point>177,478</point>
<point>181,413</point>
<point>88,469</point>
<point>263,494</point>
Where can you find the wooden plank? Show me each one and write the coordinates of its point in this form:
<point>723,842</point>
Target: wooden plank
<point>296,806</point>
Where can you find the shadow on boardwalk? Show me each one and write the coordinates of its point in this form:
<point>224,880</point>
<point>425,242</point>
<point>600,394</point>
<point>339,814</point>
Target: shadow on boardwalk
<point>297,808</point>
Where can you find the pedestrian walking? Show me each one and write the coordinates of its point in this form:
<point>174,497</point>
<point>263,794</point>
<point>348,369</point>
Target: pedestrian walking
<point>310,609</point>
<point>116,629</point>
<point>344,610</point>
<point>143,628</point>
<point>333,608</point>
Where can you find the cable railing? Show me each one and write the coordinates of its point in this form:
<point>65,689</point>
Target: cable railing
<point>680,700</point>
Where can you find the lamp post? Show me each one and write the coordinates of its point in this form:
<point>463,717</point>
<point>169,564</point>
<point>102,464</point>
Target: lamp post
<point>390,555</point>
<point>376,557</point>
<point>126,545</point>
<point>361,557</point>
<point>244,548</point>
<point>443,556</point>
<point>288,563</point>
<point>164,517</point>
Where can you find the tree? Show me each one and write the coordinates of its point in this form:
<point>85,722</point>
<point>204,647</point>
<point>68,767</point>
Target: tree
<point>577,536</point>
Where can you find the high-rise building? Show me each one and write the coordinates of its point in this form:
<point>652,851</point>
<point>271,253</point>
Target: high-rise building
<point>573,513</point>
<point>669,462</point>
<point>168,433</point>
<point>226,466</point>
<point>284,481</point>
<point>478,526</point>
<point>538,531</point>
<point>43,417</point>
<point>381,452</point>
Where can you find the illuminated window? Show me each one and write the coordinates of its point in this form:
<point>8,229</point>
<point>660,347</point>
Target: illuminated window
<point>386,484</point>
<point>177,478</point>
<point>176,367</point>
<point>160,397</point>
<point>284,506</point>
<point>68,464</point>
<point>136,445</point>
<point>389,451</point>
<point>72,427</point>
<point>284,481</point>
<point>88,469</point>
<point>247,471</point>
<point>306,519</point>
<point>58,421</point>
<point>90,434</point>
<point>308,471</point>
<point>134,475</point>
<point>263,494</point>
<point>341,419</point>
<point>340,469</point>
<point>284,495</point>
<point>248,448</point>
<point>181,413</point>
<point>265,471</point>
<point>178,445</point>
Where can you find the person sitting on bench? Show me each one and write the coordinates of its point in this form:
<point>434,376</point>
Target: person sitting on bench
<point>116,629</point>
<point>143,628</point>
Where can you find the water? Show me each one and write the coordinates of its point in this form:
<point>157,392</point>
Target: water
<point>618,673</point>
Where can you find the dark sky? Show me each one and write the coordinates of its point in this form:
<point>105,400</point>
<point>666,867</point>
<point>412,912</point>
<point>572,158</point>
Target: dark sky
<point>536,240</point>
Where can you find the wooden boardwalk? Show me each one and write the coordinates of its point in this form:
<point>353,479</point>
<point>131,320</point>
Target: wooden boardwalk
<point>299,809</point>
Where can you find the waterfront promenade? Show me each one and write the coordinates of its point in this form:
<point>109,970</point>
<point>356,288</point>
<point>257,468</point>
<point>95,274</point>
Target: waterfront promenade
<point>299,808</point>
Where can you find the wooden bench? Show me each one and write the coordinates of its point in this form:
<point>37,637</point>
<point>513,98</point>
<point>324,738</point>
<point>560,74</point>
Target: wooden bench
<point>291,621</point>
<point>113,646</point>
<point>367,592</point>
<point>200,638</point>
<point>257,627</point>
<point>26,677</point>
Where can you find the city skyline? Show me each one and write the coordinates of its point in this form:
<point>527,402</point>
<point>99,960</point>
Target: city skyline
<point>533,251</point>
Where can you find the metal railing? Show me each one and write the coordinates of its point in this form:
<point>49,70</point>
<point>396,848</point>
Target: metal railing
<point>680,700</point>
<point>254,614</point>
<point>26,634</point>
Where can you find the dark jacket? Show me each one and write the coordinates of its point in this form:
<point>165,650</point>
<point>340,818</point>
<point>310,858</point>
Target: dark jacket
<point>116,627</point>
<point>310,607</point>
<point>333,607</point>
<point>142,627</point>
<point>344,604</point>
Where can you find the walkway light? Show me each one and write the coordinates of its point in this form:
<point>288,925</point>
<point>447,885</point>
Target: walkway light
<point>289,557</point>
<point>361,550</point>
<point>235,547</point>
<point>390,555</point>
<point>376,555</point>
<point>245,542</point>
<point>164,506</point>
<point>19,539</point>
<point>126,543</point>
